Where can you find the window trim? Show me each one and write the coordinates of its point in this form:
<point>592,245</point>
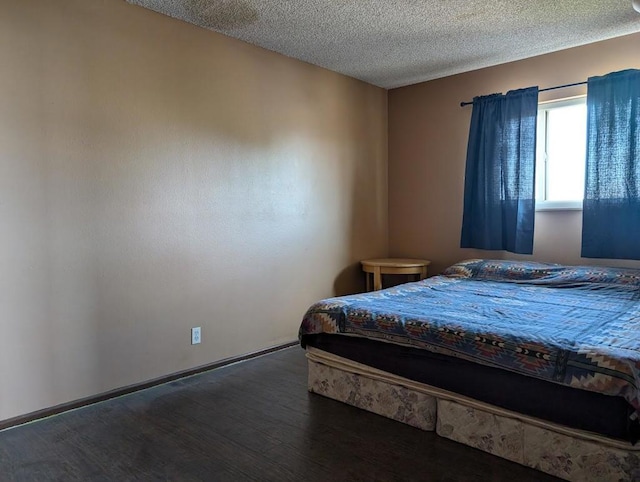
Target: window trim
<point>541,174</point>
<point>558,205</point>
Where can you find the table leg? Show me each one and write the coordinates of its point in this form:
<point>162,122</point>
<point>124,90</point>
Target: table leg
<point>367,276</point>
<point>377,278</point>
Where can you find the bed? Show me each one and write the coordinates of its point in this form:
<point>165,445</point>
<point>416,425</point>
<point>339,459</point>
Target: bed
<point>537,363</point>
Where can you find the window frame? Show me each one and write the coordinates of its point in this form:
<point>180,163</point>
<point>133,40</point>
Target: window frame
<point>541,164</point>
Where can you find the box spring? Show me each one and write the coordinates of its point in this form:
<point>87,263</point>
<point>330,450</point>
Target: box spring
<point>584,410</point>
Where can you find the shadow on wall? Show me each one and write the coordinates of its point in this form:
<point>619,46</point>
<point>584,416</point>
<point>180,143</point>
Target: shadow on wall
<point>349,281</point>
<point>367,215</point>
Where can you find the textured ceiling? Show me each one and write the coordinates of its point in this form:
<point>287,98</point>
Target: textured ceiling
<point>391,43</point>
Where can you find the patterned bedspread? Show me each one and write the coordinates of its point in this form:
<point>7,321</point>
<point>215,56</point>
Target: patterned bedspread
<point>574,325</point>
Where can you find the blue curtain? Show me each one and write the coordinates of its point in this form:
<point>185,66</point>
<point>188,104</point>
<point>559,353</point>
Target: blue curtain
<point>499,185</point>
<point>611,207</point>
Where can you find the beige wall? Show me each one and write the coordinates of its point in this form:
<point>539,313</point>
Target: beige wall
<point>155,176</point>
<point>427,147</point>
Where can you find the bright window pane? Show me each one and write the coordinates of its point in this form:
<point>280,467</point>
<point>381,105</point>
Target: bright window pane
<point>566,151</point>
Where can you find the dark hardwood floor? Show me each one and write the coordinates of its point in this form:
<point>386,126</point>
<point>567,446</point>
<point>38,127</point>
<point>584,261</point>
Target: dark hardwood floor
<point>251,421</point>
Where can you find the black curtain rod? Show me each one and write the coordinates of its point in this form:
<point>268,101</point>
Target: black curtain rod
<point>462,104</point>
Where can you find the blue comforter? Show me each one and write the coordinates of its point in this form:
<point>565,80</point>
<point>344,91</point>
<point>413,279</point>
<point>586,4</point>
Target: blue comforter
<point>578,326</point>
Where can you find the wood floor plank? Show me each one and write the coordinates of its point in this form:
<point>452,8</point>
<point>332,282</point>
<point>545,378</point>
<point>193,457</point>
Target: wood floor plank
<point>252,421</point>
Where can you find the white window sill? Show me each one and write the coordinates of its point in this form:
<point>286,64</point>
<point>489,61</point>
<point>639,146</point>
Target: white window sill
<point>558,205</point>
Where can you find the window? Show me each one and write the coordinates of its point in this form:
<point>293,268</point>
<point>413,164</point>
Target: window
<point>561,153</point>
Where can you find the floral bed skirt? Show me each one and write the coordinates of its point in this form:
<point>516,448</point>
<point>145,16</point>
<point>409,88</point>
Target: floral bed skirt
<point>566,453</point>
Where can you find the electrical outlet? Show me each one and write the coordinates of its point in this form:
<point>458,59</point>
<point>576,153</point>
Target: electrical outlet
<point>196,335</point>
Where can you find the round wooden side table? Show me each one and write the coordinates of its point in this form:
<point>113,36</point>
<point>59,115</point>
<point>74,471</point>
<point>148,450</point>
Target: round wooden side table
<point>378,267</point>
